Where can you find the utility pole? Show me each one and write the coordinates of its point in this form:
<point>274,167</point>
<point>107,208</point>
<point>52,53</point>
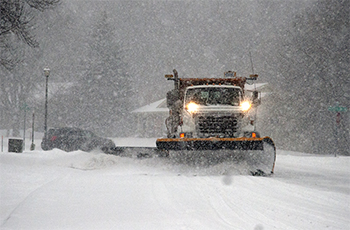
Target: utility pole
<point>32,146</point>
<point>25,108</point>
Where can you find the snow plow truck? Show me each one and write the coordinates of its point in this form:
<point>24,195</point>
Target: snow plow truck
<point>214,118</point>
<point>212,121</point>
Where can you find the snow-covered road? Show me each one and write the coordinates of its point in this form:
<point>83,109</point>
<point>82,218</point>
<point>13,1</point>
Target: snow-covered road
<point>79,190</point>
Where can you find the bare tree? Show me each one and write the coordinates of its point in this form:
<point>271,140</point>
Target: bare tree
<point>16,18</point>
<point>313,66</point>
<point>16,38</point>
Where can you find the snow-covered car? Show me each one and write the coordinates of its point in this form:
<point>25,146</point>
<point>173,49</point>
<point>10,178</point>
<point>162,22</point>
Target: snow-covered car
<point>71,139</point>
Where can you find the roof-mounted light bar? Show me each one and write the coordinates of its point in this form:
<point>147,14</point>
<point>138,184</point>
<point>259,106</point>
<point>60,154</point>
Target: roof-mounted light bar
<point>229,74</point>
<point>253,77</point>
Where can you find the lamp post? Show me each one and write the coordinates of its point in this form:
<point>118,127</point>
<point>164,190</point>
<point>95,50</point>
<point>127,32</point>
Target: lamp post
<point>46,73</point>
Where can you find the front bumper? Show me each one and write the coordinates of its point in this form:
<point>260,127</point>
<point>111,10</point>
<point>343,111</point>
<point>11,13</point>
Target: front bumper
<point>242,143</point>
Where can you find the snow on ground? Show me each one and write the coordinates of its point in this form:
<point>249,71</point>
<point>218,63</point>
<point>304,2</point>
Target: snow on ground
<point>79,190</point>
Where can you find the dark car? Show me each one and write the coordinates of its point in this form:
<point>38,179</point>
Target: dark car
<point>71,139</point>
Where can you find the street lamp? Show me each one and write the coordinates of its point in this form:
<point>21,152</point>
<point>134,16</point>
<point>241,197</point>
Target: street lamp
<point>46,73</point>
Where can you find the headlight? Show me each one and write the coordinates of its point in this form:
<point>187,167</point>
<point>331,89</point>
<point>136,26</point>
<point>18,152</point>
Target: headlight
<point>245,106</point>
<point>192,107</point>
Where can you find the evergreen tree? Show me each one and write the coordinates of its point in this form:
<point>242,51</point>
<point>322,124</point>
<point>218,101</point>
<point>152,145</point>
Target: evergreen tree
<point>105,85</point>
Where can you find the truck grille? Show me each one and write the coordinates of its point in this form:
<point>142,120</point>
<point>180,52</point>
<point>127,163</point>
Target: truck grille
<point>217,126</point>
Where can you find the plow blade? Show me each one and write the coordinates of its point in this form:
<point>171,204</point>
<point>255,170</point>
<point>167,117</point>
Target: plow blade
<point>259,154</point>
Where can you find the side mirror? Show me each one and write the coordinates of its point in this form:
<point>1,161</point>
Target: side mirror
<point>171,97</point>
<point>256,101</point>
<point>255,95</point>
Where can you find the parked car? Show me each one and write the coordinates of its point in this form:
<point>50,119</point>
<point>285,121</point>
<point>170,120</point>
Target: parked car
<point>71,139</point>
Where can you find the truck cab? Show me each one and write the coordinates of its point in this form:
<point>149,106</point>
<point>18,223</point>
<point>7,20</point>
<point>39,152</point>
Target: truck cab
<point>210,107</point>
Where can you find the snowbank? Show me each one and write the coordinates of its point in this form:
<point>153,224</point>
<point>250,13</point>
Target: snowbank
<point>79,190</point>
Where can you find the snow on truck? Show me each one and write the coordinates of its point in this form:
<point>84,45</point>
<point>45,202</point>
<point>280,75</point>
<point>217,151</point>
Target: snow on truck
<point>213,119</point>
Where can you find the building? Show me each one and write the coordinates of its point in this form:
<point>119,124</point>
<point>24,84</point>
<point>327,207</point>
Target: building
<point>151,119</point>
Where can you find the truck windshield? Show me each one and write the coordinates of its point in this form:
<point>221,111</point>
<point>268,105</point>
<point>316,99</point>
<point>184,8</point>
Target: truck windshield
<point>213,96</point>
